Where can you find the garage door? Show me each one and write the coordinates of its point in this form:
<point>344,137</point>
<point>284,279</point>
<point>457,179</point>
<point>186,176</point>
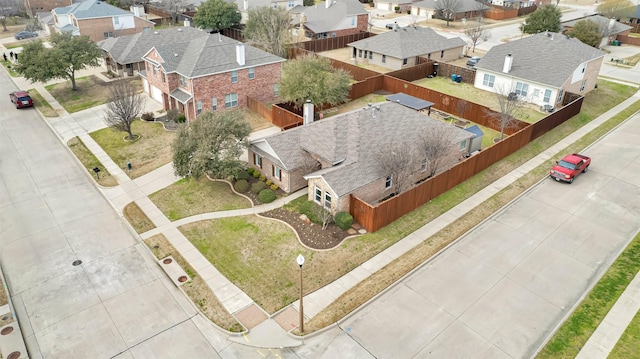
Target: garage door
<point>156,94</point>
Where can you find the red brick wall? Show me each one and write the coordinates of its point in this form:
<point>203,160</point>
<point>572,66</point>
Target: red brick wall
<point>95,28</point>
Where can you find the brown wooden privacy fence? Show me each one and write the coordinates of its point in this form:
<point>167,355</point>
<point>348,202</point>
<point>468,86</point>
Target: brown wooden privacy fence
<point>332,43</point>
<point>236,32</point>
<point>500,13</point>
<point>526,10</point>
<point>285,118</point>
<point>260,108</point>
<point>625,39</point>
<point>365,87</point>
<point>374,217</point>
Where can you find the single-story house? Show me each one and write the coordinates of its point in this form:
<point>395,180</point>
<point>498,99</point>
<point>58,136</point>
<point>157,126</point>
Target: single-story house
<point>330,19</point>
<point>429,9</point>
<point>123,54</point>
<point>245,5</point>
<point>342,155</point>
<point>390,5</point>
<point>540,68</point>
<point>402,47</point>
<point>609,28</point>
<point>209,73</point>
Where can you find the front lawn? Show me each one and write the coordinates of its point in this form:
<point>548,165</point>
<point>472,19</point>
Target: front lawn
<point>91,92</point>
<point>152,150</point>
<point>189,197</point>
<point>41,104</point>
<point>89,162</point>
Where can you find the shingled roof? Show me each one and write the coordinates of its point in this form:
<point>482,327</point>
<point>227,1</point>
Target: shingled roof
<point>208,55</point>
<point>320,19</point>
<point>461,6</point>
<point>408,42</point>
<point>130,48</point>
<point>612,26</point>
<point>351,142</point>
<point>545,58</point>
<point>89,9</point>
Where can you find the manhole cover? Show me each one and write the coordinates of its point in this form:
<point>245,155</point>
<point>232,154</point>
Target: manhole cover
<point>14,355</point>
<point>182,279</point>
<point>77,262</point>
<point>167,261</point>
<point>6,331</point>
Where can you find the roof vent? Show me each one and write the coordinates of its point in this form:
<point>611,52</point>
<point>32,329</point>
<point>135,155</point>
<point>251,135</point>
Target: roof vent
<point>155,32</point>
<point>179,30</point>
<point>176,55</point>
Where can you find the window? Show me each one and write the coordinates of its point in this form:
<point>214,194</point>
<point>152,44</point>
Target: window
<point>234,76</point>
<point>257,160</point>
<point>275,172</point>
<point>366,53</point>
<point>442,54</point>
<point>404,61</point>
<point>359,53</point>
<point>488,80</point>
<point>388,182</point>
<point>522,89</point>
<point>276,91</point>
<point>327,200</point>
<point>353,21</point>
<point>108,34</point>
<point>231,100</point>
<point>199,106</point>
<point>252,73</point>
<point>214,103</point>
<point>560,96</point>
<point>146,28</point>
<point>384,59</point>
<point>116,20</point>
<point>183,81</point>
<point>547,96</point>
<point>584,83</point>
<point>370,55</point>
<point>318,195</point>
<point>428,56</point>
<point>463,145</point>
<point>155,70</point>
<point>423,167</point>
<point>291,4</point>
<point>163,78</point>
<point>333,34</point>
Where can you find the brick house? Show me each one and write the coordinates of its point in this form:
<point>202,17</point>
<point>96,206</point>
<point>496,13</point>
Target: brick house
<point>331,19</point>
<point>211,72</point>
<point>540,68</point>
<point>98,20</point>
<point>123,54</point>
<point>339,156</point>
<point>402,47</point>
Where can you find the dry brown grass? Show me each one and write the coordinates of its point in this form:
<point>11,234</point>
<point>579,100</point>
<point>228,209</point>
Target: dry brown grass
<point>256,121</point>
<point>91,92</point>
<point>196,289</point>
<point>137,218</point>
<point>4,298</point>
<point>89,161</point>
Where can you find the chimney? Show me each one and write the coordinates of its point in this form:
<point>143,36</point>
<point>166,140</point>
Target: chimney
<point>327,3</point>
<point>307,112</point>
<point>508,61</point>
<point>245,5</point>
<point>135,10</point>
<point>612,23</point>
<point>240,53</point>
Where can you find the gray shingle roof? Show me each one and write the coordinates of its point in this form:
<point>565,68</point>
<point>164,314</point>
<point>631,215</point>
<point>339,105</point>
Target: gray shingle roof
<point>352,141</point>
<point>208,55</point>
<point>616,27</point>
<point>408,42</point>
<point>91,9</point>
<point>548,59</point>
<point>130,48</point>
<point>320,19</point>
<point>462,5</point>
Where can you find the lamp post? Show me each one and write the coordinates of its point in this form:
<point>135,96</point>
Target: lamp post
<point>300,261</point>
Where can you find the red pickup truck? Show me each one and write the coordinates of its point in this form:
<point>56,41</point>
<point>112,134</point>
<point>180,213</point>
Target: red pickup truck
<point>569,167</point>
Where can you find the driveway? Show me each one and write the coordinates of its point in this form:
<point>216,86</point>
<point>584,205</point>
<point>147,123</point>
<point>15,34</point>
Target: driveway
<point>502,289</point>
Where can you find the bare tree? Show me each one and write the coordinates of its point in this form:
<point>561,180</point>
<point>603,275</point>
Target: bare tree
<point>8,10</point>
<point>448,9</point>
<point>397,162</point>
<point>324,215</point>
<point>477,32</point>
<point>174,7</point>
<point>123,106</point>
<point>269,29</point>
<point>438,148</point>
<point>510,104</point>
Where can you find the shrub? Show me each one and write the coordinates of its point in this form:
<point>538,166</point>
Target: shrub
<point>250,171</point>
<point>266,195</point>
<point>343,220</point>
<point>256,174</point>
<point>257,187</point>
<point>263,178</point>
<point>241,175</point>
<point>172,115</point>
<point>268,182</point>
<point>147,116</point>
<point>241,186</point>
<point>274,187</point>
<point>181,119</point>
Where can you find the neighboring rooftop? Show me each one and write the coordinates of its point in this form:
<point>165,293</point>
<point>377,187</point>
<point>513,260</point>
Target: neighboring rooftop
<point>91,9</point>
<point>320,19</point>
<point>461,5</point>
<point>612,26</point>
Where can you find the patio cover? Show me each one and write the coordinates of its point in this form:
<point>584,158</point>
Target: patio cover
<point>410,101</point>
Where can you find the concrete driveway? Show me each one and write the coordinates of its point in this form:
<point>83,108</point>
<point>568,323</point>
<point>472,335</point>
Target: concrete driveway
<point>502,289</point>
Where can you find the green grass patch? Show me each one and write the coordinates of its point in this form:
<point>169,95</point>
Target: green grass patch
<point>189,197</point>
<point>8,65</point>
<point>137,218</point>
<point>89,161</point>
<point>151,151</point>
<point>629,344</point>
<point>91,91</point>
<point>42,104</point>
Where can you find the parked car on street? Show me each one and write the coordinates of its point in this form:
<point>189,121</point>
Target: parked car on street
<point>21,99</point>
<point>25,35</point>
<point>473,61</point>
<point>569,167</point>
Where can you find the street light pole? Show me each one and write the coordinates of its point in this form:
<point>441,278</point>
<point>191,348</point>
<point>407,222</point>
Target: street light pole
<point>300,261</point>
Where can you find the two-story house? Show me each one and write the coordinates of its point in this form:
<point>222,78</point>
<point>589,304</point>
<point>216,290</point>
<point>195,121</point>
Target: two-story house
<point>98,20</point>
<point>540,68</point>
<point>211,72</point>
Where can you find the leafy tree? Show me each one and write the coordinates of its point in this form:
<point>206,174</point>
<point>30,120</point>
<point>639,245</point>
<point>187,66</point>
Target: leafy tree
<point>217,15</point>
<point>124,104</point>
<point>67,55</point>
<point>211,145</point>
<point>477,32</point>
<point>448,9</point>
<point>313,78</point>
<point>269,29</point>
<point>546,18</point>
<point>616,9</point>
<point>587,31</point>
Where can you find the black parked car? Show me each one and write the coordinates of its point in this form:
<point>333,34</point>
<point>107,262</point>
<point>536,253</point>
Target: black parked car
<point>25,35</point>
